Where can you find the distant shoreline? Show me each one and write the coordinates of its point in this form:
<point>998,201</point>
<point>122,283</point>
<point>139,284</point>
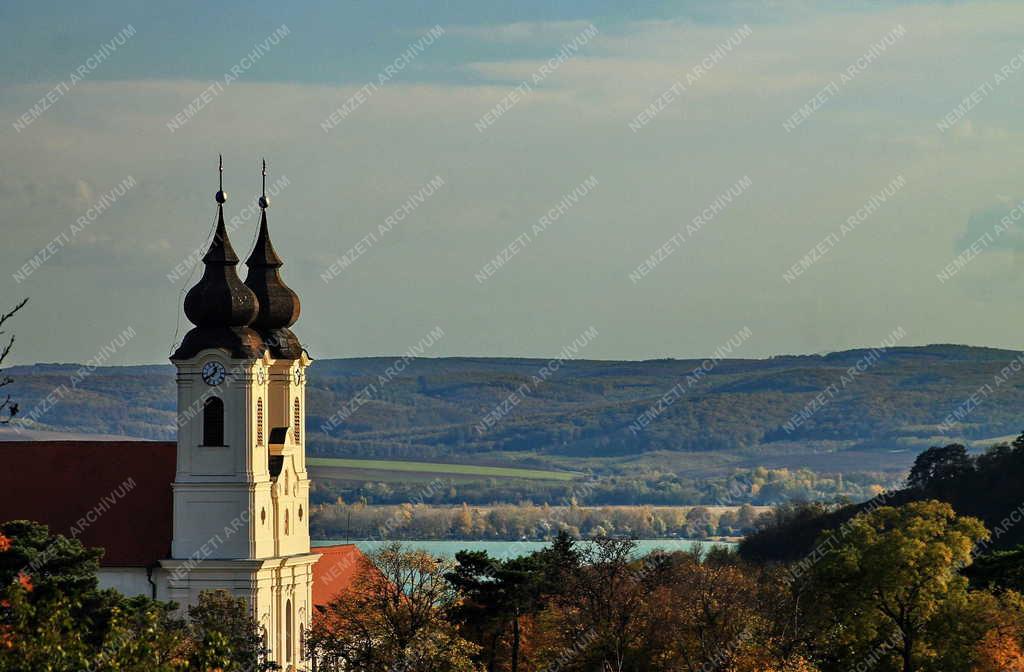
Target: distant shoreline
<point>447,548</point>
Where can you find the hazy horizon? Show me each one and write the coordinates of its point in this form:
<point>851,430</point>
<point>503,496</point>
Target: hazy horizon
<point>701,357</point>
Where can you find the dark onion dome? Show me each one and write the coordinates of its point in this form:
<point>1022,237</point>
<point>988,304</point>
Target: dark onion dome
<point>279,306</point>
<point>220,299</point>
<point>220,305</point>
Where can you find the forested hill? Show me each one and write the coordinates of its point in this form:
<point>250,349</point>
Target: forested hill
<point>440,408</point>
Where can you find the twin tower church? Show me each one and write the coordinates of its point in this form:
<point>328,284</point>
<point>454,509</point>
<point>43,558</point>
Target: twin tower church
<point>227,505</point>
<point>241,491</point>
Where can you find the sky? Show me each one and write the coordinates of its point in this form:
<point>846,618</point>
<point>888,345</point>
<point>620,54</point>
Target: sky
<point>664,176</point>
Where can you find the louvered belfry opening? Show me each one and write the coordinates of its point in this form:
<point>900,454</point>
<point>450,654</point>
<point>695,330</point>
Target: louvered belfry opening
<point>259,421</point>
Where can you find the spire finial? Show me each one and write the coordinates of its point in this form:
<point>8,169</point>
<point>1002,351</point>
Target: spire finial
<point>221,195</point>
<point>264,201</point>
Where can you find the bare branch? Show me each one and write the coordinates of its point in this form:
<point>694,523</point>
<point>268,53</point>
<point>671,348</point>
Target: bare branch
<point>7,405</point>
<point>7,349</point>
<point>9,315</point>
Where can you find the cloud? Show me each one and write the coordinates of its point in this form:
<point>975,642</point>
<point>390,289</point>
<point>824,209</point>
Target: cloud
<point>498,182</point>
<point>522,32</point>
<point>998,226</point>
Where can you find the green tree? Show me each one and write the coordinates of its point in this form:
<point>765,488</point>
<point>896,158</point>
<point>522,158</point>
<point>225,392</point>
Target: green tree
<point>938,464</point>
<point>222,622</point>
<point>57,565</point>
<point>999,570</point>
<point>498,594</point>
<point>890,573</point>
<point>55,619</point>
<point>558,563</point>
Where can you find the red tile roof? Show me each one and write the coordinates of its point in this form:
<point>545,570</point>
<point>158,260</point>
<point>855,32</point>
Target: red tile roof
<point>334,572</point>
<point>111,494</point>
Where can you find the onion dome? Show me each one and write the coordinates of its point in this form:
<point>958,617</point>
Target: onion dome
<point>220,299</point>
<point>279,306</point>
<point>220,305</point>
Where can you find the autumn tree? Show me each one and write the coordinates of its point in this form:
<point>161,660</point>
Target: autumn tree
<point>597,615</point>
<point>999,651</point>
<point>703,615</point>
<point>464,521</point>
<point>393,617</point>
<point>698,522</point>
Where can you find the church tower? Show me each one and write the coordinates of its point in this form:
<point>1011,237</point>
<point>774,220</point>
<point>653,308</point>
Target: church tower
<point>241,491</point>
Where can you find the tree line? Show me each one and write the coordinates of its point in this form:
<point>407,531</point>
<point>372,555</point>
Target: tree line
<point>526,521</point>
<point>643,484</point>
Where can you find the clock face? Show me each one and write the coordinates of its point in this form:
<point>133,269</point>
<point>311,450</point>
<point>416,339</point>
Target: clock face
<point>213,373</point>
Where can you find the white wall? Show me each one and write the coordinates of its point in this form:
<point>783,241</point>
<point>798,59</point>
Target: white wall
<point>128,580</point>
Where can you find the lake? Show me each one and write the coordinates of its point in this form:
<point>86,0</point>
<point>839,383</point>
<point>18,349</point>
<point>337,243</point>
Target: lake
<point>508,549</point>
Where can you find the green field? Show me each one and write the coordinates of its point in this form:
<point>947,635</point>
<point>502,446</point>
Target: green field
<point>434,468</point>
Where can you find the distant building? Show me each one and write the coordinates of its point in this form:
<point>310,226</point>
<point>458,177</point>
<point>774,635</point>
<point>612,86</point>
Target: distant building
<point>227,506</point>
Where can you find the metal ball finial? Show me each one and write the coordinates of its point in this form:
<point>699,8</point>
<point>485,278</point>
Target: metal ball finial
<point>221,196</point>
<point>264,201</point>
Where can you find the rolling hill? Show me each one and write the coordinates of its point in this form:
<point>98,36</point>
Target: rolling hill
<point>828,413</point>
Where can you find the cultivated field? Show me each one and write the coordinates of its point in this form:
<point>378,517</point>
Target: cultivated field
<point>344,468</point>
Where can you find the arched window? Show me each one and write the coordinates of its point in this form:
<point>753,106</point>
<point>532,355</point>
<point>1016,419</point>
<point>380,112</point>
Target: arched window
<point>213,422</point>
<point>259,421</point>
<point>286,521</point>
<point>298,422</point>
<point>288,631</point>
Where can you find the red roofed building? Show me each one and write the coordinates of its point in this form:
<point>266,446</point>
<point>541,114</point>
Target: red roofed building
<point>111,494</point>
<point>116,495</point>
<point>335,571</point>
<point>227,505</point>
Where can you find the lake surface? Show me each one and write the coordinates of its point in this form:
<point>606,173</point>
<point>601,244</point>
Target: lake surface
<point>510,549</point>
